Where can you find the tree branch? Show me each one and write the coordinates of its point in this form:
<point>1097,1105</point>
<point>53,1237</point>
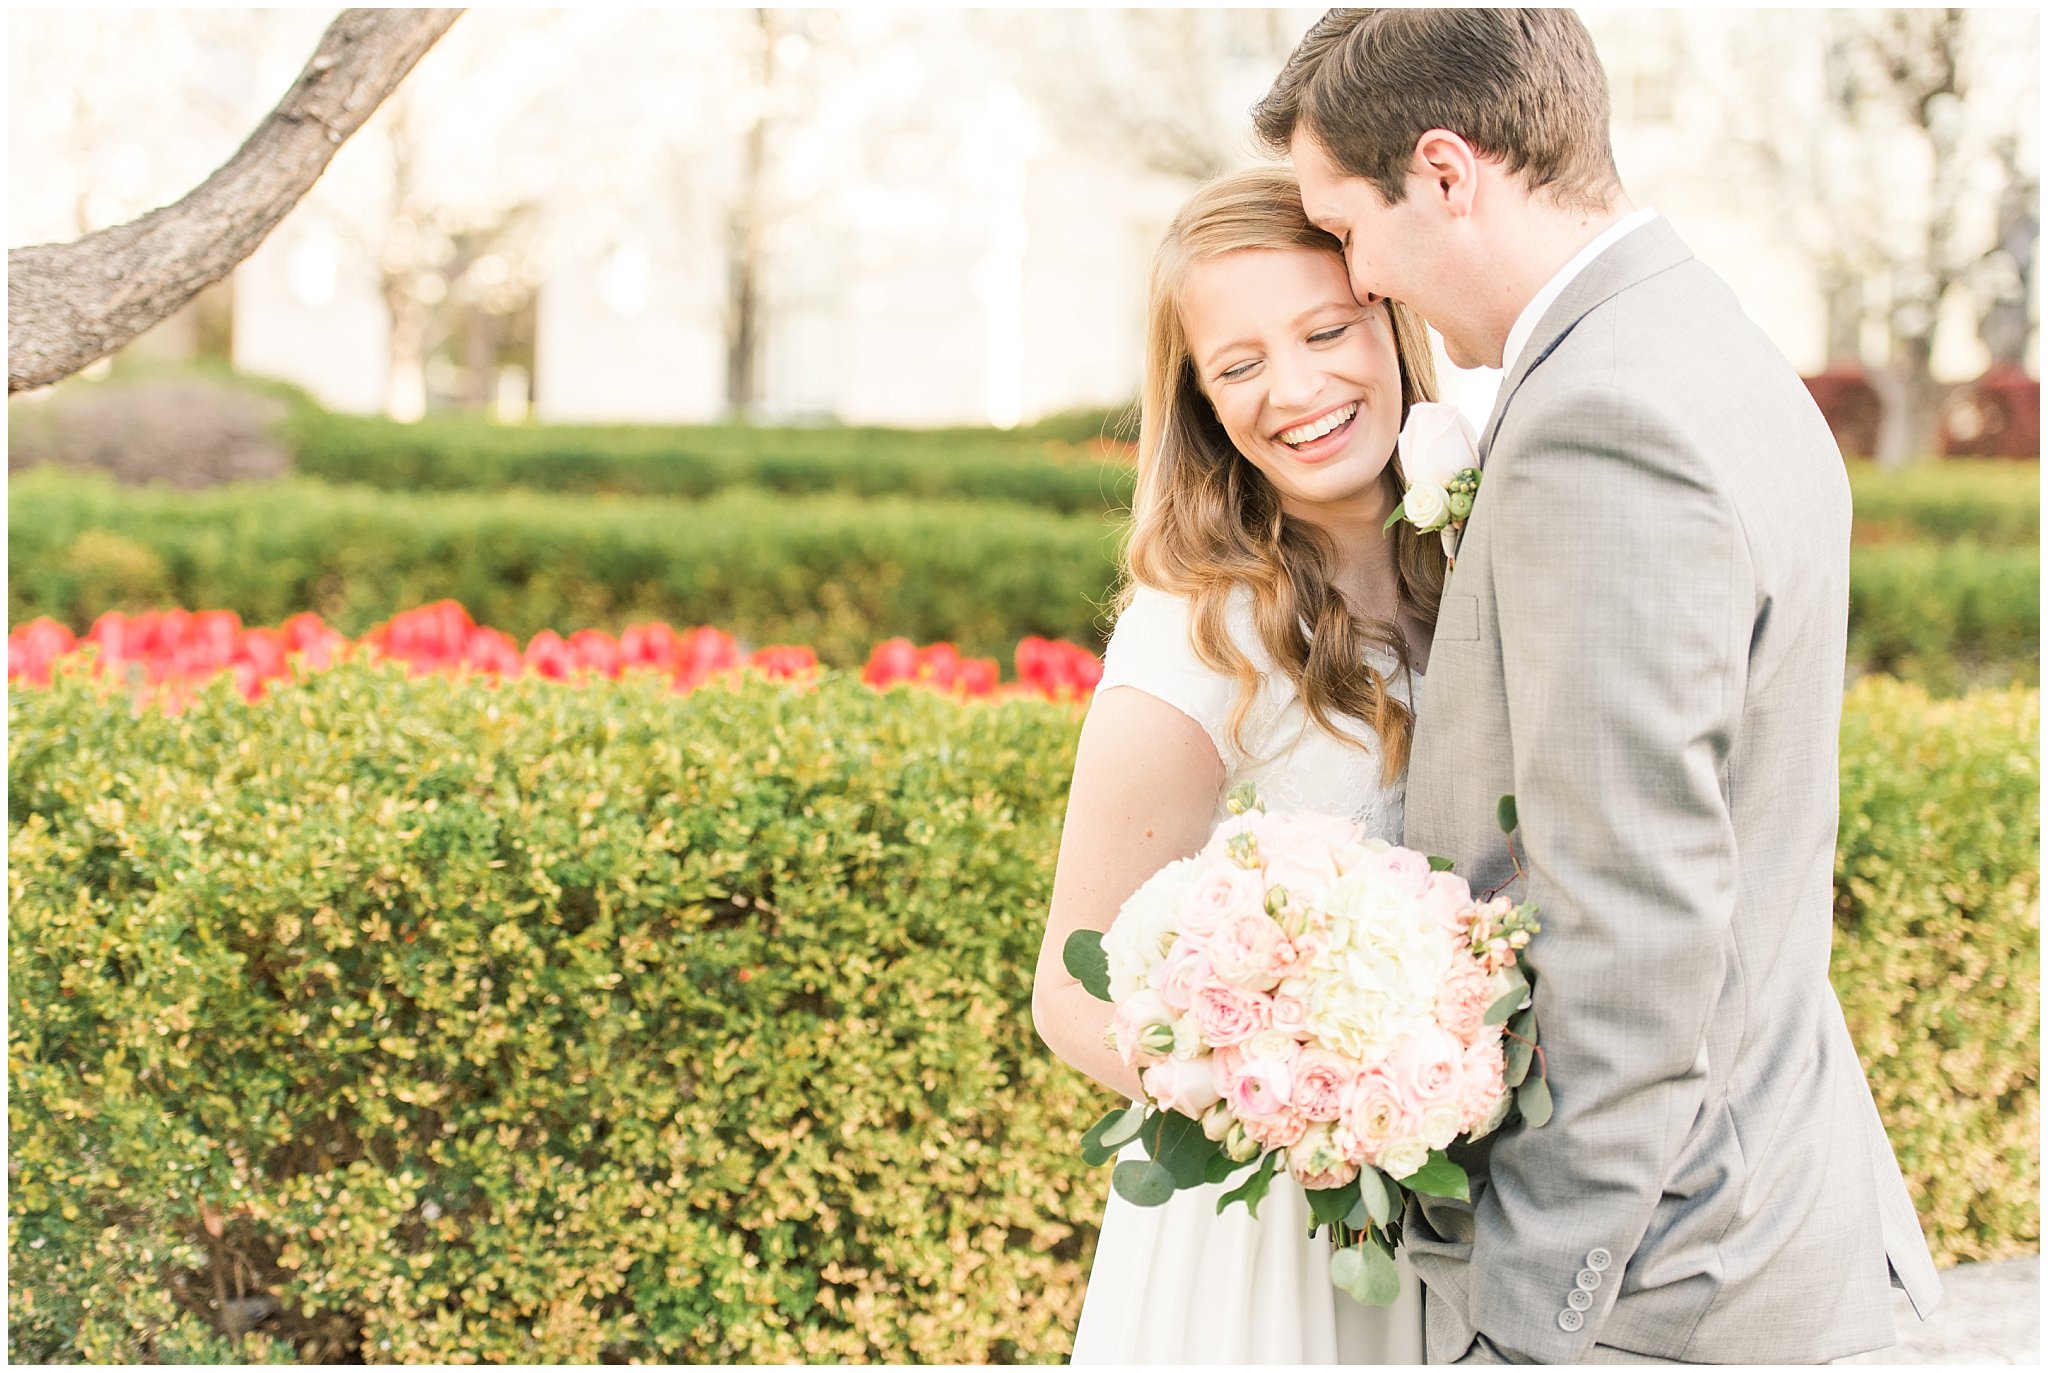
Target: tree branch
<point>69,304</point>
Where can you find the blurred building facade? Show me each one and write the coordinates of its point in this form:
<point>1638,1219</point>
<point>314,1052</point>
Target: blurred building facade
<point>945,242</point>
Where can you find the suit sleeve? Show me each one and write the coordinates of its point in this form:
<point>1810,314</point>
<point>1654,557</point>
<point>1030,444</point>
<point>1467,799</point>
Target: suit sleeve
<point>1626,604</point>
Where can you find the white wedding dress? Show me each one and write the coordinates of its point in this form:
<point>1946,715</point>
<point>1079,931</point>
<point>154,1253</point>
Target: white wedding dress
<point>1179,1283</point>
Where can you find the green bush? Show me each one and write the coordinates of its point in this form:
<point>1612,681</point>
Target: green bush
<point>1059,466</point>
<point>1937,949</point>
<point>1985,501</point>
<point>522,1024</point>
<point>836,573</point>
<point>1949,616</point>
<point>839,575</point>
<point>563,1024</point>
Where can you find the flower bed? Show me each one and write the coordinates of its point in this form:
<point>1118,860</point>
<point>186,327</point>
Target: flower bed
<point>170,654</point>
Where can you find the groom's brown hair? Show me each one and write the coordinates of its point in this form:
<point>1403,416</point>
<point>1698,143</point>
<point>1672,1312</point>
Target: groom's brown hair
<point>1522,85</point>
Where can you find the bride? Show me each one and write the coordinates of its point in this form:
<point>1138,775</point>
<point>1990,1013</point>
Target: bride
<point>1270,633</point>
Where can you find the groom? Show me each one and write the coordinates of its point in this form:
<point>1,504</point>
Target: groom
<point>1643,642</point>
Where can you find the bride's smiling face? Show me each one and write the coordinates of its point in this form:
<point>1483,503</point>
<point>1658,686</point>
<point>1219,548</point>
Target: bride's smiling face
<point>1305,380</point>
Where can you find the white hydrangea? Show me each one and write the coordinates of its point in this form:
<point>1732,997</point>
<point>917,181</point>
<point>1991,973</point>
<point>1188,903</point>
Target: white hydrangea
<point>1143,931</point>
<point>1377,979</point>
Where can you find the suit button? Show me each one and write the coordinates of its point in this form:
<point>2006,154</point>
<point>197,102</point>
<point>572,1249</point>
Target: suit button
<point>1580,1299</point>
<point>1599,1260</point>
<point>1571,1322</point>
<point>1587,1280</point>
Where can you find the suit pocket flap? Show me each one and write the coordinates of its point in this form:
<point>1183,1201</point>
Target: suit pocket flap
<point>1457,617</point>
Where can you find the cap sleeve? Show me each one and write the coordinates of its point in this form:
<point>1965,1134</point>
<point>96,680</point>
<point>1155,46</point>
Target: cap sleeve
<point>1150,649</point>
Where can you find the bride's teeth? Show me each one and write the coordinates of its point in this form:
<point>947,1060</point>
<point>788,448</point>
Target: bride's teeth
<point>1309,432</point>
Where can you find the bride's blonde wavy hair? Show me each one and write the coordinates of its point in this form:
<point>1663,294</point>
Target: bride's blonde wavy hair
<point>1204,519</point>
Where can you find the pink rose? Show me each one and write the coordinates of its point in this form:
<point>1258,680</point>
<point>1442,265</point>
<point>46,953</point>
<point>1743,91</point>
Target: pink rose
<point>1481,1081</point>
<point>1376,1114</point>
<point>1228,1015</point>
<point>1317,1161</point>
<point>1260,1088</point>
<point>1405,870</point>
<point>1290,1014</point>
<point>1425,1065</point>
<point>1447,899</point>
<point>1224,890</point>
<point>1143,1010</point>
<point>1247,949</point>
<point>1319,1079</point>
<point>1185,968</point>
<point>1463,996</point>
<point>1186,1085</point>
<point>1282,1131</point>
<point>1300,851</point>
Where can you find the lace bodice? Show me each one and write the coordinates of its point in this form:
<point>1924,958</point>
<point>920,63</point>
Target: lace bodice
<point>1295,764</point>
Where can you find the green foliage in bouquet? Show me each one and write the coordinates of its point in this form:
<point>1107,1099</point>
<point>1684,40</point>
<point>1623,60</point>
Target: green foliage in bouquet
<point>836,574</point>
<point>559,1024</point>
<point>1068,464</point>
<point>1937,950</point>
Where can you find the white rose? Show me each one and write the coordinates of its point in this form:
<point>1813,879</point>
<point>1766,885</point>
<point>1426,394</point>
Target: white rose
<point>1440,1124</point>
<point>1273,1044</point>
<point>1427,506</point>
<point>1401,1158</point>
<point>1436,444</point>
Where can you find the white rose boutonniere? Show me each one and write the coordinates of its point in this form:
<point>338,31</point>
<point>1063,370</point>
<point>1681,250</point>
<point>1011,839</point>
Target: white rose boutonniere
<point>1439,456</point>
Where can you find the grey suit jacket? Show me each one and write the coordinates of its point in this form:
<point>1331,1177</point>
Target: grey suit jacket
<point>1643,641</point>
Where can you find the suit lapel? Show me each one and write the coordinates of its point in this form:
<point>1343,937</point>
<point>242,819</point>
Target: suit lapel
<point>1637,256</point>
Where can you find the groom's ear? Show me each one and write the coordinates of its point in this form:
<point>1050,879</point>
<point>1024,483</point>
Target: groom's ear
<point>1445,169</point>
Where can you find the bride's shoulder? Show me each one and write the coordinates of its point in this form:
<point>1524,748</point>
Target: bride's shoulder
<point>1161,625</point>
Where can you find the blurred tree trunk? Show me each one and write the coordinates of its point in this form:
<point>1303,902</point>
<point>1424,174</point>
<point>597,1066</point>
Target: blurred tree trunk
<point>745,235</point>
<point>70,304</point>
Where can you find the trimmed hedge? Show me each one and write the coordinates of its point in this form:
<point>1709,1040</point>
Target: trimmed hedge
<point>534,1024</point>
<point>1949,616</point>
<point>1061,465</point>
<point>838,574</point>
<point>1991,502</point>
<point>1937,949</point>
<point>544,1024</point>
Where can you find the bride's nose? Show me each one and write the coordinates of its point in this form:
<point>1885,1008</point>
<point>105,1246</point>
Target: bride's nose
<point>1293,383</point>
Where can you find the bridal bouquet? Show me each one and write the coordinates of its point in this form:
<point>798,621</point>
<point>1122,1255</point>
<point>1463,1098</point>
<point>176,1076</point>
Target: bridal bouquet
<point>1299,996</point>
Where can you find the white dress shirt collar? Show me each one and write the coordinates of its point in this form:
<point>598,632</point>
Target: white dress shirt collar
<point>1525,323</point>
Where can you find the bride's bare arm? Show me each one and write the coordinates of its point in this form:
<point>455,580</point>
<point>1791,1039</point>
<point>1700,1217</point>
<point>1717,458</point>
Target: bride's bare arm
<point>1146,783</point>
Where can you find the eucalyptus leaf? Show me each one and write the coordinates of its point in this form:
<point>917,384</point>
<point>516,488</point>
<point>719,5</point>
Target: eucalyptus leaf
<point>1521,1053</point>
<point>1142,1184</point>
<point>1111,1133</point>
<point>1133,1121</point>
<point>1380,1196</point>
<point>1509,1001</point>
<point>1087,962</point>
<point>1366,1273</point>
<point>1505,813</point>
<point>1440,864</point>
<point>1439,1178</point>
<point>1533,1096</point>
<point>1253,1189</point>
